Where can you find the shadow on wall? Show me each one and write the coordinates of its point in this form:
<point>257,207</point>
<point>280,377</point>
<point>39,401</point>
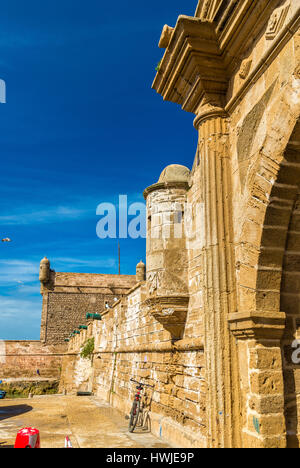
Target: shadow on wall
<point>7,412</point>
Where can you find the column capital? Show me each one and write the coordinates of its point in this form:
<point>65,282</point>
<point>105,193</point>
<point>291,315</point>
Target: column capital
<point>209,111</point>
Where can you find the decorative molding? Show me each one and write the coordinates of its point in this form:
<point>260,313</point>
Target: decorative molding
<point>166,36</point>
<point>245,69</point>
<point>257,324</point>
<point>207,9</point>
<point>171,312</point>
<point>266,60</point>
<point>192,72</point>
<point>276,21</point>
<point>166,185</point>
<point>175,80</point>
<point>153,282</point>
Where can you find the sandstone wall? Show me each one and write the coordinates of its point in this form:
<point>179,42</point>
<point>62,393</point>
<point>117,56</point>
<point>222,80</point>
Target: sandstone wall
<point>68,297</point>
<point>21,359</point>
<point>130,343</point>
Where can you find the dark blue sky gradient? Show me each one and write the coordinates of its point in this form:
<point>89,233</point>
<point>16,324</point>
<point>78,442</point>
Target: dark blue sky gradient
<point>81,126</point>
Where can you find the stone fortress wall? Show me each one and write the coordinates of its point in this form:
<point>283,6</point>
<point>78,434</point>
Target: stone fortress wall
<point>130,343</point>
<point>212,326</point>
<point>68,297</point>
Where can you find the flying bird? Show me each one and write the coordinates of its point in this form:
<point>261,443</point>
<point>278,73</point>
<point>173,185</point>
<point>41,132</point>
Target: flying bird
<point>6,240</point>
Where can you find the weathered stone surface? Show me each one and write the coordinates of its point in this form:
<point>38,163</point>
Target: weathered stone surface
<point>211,327</point>
<point>68,297</point>
<point>22,359</point>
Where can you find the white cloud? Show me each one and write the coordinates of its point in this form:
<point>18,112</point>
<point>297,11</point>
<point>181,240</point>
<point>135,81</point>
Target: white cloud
<point>45,216</point>
<point>14,272</point>
<point>30,289</point>
<point>20,309</point>
<point>20,319</point>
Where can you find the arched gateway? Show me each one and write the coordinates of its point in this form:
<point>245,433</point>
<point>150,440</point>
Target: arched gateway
<point>213,324</point>
<point>236,65</point>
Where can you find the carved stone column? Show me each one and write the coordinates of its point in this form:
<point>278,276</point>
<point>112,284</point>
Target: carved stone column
<point>219,284</point>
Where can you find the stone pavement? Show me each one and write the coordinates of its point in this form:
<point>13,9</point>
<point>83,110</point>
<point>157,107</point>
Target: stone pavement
<point>88,422</point>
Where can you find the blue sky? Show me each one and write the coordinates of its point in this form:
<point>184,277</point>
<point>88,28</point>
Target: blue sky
<point>81,125</point>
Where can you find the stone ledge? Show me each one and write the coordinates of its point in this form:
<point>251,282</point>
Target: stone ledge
<point>165,185</point>
<point>171,312</point>
<point>257,324</point>
<point>187,344</point>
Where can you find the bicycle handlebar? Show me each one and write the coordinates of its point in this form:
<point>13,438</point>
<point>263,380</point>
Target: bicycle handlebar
<point>140,383</point>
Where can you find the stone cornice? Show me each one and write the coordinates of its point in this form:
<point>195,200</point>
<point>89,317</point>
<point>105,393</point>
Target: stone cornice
<point>266,60</point>
<point>165,185</point>
<point>204,52</point>
<point>257,324</point>
<point>187,344</point>
<point>192,70</point>
<point>236,21</point>
<point>208,9</point>
<point>241,21</point>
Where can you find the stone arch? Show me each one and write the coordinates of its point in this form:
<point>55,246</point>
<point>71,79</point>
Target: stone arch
<point>290,304</point>
<point>263,253</point>
<point>275,234</point>
<point>274,216</point>
<point>272,189</point>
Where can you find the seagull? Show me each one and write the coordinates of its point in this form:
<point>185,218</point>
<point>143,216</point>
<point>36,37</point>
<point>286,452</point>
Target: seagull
<point>6,240</point>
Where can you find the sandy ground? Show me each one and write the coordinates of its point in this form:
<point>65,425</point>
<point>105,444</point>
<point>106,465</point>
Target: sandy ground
<point>88,422</point>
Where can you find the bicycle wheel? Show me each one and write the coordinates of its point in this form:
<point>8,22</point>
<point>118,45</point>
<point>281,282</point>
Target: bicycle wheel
<point>134,415</point>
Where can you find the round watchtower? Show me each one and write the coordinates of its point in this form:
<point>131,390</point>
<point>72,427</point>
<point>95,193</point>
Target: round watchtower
<point>167,262</point>
<point>44,270</point>
<point>140,272</point>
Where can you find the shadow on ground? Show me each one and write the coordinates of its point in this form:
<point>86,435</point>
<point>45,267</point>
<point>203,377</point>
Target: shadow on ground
<point>2,445</point>
<point>7,412</point>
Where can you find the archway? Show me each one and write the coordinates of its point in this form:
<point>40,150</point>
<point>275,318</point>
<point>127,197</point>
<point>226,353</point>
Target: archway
<point>265,262</point>
<point>278,275</point>
<point>290,292</point>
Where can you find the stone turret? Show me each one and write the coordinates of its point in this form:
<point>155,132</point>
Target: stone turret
<point>140,272</point>
<point>44,271</point>
<point>166,242</point>
<point>167,258</point>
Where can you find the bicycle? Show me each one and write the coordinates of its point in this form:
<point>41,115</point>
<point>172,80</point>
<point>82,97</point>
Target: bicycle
<point>136,414</point>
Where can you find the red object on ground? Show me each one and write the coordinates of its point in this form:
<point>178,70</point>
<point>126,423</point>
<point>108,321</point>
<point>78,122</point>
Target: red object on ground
<point>28,437</point>
<point>68,443</point>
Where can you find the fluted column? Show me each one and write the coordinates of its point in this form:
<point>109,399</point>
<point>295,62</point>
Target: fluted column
<point>219,284</point>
